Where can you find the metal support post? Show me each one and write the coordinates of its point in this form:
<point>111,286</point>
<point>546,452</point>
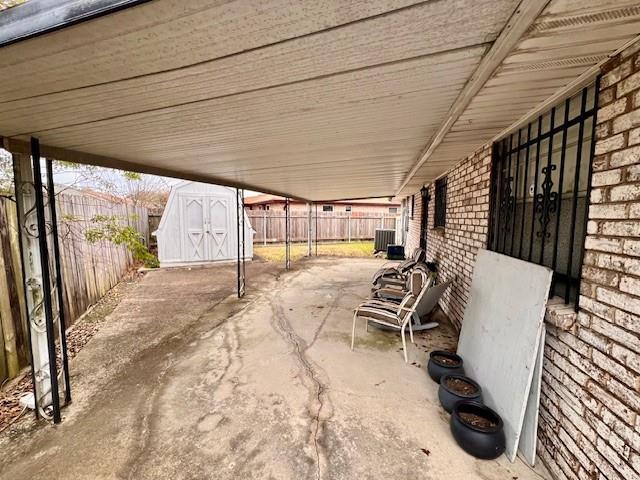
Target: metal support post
<point>241,240</point>
<point>316,229</point>
<point>309,229</point>
<point>62,324</point>
<point>264,231</point>
<point>287,237</point>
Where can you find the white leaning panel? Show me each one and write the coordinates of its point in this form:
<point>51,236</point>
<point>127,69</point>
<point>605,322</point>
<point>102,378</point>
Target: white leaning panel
<point>500,334</point>
<point>529,435</point>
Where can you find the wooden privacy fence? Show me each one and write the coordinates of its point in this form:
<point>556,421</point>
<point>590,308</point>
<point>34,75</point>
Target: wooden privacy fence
<point>89,269</point>
<point>339,226</point>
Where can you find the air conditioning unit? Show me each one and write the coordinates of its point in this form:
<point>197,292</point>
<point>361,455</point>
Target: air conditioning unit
<point>383,238</point>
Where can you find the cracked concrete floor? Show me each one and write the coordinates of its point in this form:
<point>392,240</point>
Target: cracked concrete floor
<point>185,384</point>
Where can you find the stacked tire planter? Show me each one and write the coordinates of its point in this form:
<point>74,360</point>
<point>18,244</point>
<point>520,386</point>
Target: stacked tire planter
<point>477,429</point>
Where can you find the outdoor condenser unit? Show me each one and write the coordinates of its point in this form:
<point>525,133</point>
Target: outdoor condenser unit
<point>383,238</point>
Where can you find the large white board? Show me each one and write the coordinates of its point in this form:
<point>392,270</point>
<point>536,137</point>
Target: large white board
<point>529,435</point>
<point>500,335</point>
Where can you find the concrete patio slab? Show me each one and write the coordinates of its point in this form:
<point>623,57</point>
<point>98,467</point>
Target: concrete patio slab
<point>183,384</point>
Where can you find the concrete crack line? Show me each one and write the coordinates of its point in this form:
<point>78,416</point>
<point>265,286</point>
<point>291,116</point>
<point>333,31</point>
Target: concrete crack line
<point>285,330</point>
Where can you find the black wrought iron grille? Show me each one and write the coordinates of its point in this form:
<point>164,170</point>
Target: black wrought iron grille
<point>440,216</point>
<point>540,183</point>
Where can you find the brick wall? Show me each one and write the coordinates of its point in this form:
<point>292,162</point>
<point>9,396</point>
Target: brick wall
<point>413,235</point>
<point>466,228</point>
<point>590,426</point>
<point>590,405</point>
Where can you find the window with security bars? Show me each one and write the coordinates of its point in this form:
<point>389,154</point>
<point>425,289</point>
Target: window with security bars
<point>540,183</point>
<point>440,217</point>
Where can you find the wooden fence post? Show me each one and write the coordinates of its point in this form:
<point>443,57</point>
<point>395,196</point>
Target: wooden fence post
<point>10,350</point>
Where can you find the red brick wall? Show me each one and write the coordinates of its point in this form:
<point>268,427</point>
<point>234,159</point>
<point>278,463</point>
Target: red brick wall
<point>466,228</point>
<point>590,405</point>
<point>590,427</point>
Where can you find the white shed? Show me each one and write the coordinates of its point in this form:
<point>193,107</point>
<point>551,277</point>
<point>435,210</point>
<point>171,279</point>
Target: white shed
<point>199,225</point>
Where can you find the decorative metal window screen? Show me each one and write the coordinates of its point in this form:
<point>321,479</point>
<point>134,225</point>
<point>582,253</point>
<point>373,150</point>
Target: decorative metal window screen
<point>540,183</point>
<point>440,216</point>
<point>424,218</point>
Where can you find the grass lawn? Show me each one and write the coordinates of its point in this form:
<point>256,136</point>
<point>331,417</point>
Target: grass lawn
<point>275,253</point>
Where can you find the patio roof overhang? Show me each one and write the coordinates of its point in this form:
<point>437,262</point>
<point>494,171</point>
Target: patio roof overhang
<point>306,99</point>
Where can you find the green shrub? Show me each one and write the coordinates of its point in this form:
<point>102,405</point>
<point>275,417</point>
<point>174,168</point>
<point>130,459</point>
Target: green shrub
<point>107,227</point>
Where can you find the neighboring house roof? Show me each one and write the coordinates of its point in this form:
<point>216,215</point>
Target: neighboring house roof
<point>267,199</point>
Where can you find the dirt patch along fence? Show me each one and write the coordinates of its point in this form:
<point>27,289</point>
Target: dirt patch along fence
<point>89,269</point>
<point>337,226</point>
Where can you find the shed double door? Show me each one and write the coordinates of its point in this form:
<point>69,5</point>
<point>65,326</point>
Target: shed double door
<point>206,228</point>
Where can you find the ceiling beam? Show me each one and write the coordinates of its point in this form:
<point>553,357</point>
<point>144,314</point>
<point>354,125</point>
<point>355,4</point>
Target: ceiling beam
<point>22,147</point>
<point>586,78</point>
<point>521,19</point>
<point>37,17</point>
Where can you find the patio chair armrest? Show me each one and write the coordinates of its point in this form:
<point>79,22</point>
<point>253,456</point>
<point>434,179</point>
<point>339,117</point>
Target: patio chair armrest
<point>377,301</point>
<point>395,280</point>
<point>390,265</point>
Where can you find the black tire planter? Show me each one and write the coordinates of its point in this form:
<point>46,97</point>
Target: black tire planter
<point>437,369</point>
<point>485,442</point>
<point>449,397</point>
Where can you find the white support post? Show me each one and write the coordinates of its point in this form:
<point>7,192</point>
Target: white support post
<point>43,321</point>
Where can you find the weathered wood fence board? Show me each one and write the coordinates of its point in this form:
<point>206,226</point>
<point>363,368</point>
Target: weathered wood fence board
<point>89,269</point>
<point>270,225</point>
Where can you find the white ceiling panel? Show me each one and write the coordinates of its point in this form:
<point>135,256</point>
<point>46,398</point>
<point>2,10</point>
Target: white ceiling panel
<point>317,100</point>
<point>567,39</point>
<point>312,99</point>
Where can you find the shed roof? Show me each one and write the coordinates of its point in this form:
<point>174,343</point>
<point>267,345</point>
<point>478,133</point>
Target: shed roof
<point>314,100</point>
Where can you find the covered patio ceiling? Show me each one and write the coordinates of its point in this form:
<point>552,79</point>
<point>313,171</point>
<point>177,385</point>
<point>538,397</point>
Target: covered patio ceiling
<point>313,100</point>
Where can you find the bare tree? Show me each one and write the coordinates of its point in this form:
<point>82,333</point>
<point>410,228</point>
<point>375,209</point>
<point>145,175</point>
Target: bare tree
<point>137,189</point>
